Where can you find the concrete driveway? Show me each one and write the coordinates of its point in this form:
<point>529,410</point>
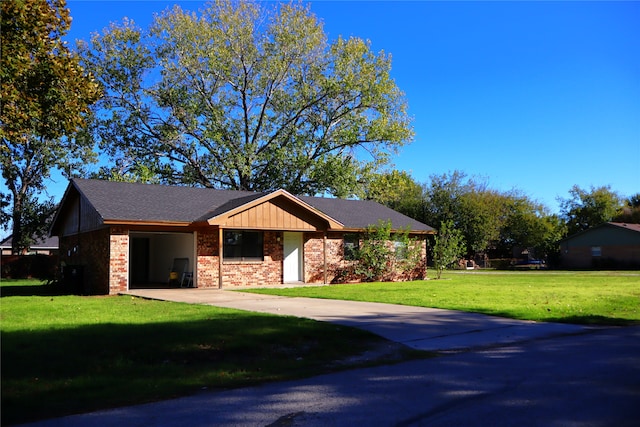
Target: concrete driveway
<point>517,374</point>
<point>420,328</point>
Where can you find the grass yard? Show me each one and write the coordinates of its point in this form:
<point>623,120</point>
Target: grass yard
<point>596,298</point>
<point>72,354</point>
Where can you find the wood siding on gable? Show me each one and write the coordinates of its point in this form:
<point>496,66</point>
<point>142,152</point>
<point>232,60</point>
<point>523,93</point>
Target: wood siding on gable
<point>272,215</point>
<point>79,217</point>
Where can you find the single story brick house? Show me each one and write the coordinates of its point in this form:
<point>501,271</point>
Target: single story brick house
<point>608,245</point>
<point>120,236</point>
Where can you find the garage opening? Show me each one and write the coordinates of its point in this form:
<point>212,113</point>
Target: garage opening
<point>161,260</point>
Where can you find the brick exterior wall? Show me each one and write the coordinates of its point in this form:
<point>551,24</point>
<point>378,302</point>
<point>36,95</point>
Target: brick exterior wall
<point>266,272</point>
<point>416,272</point>
<point>119,260</point>
<point>207,260</point>
<point>340,270</point>
<point>620,256</point>
<point>89,251</point>
<point>104,259</point>
<point>313,258</point>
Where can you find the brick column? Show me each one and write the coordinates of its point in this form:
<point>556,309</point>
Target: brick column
<point>118,260</point>
<point>207,259</point>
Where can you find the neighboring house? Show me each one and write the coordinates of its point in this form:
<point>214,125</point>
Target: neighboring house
<point>39,260</point>
<point>42,246</point>
<point>608,245</point>
<point>119,236</point>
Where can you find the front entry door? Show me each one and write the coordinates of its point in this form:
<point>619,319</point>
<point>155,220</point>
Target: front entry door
<point>292,264</point>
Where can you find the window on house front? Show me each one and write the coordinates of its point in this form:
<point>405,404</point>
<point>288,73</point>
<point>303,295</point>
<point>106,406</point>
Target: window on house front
<point>243,245</point>
<point>596,251</point>
<point>400,250</point>
<point>351,246</point>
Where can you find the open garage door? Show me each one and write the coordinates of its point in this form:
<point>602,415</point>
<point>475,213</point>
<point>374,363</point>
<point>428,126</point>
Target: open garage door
<point>153,256</point>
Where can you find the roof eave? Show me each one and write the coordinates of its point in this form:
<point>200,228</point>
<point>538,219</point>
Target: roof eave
<point>360,230</point>
<point>146,223</point>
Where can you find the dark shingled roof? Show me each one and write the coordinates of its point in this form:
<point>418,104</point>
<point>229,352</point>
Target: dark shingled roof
<point>624,225</point>
<point>359,214</point>
<point>628,226</point>
<point>162,203</point>
<point>146,202</point>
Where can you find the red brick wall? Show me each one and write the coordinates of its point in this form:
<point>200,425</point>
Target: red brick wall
<point>340,270</point>
<point>417,271</point>
<point>207,260</point>
<point>119,260</point>
<point>314,258</point>
<point>90,251</point>
<point>266,272</point>
<point>620,256</point>
<point>104,257</point>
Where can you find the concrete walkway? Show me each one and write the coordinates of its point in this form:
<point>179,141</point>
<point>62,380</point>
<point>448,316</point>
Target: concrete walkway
<point>420,328</point>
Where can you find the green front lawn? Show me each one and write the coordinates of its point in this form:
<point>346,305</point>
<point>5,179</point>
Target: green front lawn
<point>605,298</point>
<point>72,354</point>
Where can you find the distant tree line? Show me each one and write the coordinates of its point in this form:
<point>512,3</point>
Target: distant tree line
<point>493,223</point>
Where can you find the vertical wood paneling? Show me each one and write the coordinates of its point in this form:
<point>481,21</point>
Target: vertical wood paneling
<point>268,216</point>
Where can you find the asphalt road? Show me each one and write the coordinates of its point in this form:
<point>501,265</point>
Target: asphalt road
<point>586,379</point>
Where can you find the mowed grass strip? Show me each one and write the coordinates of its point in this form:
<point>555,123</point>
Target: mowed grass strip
<point>592,298</point>
<point>72,354</point>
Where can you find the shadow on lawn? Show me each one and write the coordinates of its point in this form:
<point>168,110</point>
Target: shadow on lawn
<point>47,289</point>
<point>595,320</point>
<point>61,371</point>
<point>586,319</point>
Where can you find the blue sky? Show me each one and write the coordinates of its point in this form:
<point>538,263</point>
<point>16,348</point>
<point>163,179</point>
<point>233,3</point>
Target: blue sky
<point>534,96</point>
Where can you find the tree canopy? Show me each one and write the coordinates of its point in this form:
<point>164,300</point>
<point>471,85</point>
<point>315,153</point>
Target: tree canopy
<point>495,223</point>
<point>44,96</point>
<point>248,96</point>
<point>587,208</point>
<point>488,221</point>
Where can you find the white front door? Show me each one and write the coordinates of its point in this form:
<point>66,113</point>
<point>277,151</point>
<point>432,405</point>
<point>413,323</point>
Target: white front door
<point>292,268</point>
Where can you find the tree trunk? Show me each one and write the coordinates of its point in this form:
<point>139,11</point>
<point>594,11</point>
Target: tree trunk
<point>16,239</point>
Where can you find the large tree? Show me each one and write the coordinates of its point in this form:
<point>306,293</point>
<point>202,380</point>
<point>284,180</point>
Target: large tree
<point>587,208</point>
<point>529,225</point>
<point>474,209</point>
<point>248,96</point>
<point>397,190</point>
<point>631,210</point>
<point>44,94</point>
